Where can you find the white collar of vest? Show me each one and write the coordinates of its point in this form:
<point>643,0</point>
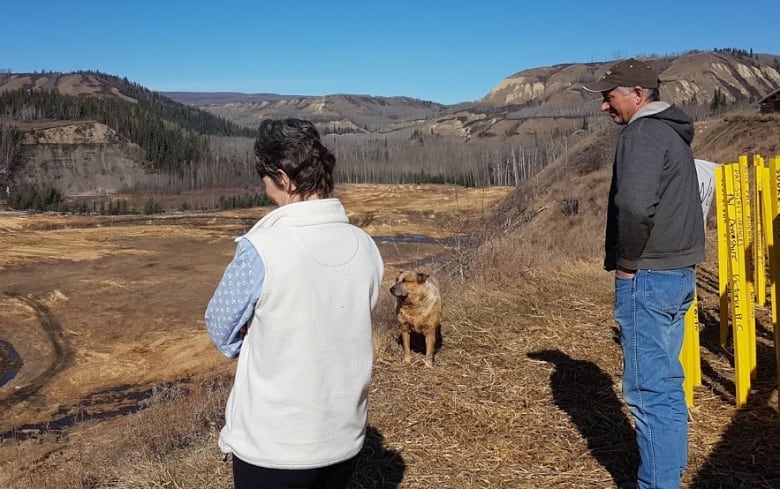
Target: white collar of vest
<point>307,212</point>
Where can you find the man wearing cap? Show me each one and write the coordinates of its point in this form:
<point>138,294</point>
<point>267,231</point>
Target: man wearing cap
<point>654,239</point>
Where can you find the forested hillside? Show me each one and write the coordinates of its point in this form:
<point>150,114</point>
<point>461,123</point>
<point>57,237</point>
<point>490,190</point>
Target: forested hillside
<point>169,132</point>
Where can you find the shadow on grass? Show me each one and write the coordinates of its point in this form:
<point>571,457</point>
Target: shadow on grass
<point>377,467</point>
<point>584,392</point>
<point>747,455</point>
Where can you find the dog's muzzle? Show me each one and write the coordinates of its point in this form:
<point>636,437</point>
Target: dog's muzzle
<point>398,292</point>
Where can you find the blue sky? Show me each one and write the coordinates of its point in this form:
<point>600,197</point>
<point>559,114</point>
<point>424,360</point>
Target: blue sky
<point>447,51</point>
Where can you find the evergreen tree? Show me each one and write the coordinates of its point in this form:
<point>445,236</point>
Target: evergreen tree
<point>718,100</point>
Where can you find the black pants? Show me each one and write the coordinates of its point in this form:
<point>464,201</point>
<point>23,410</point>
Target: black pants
<point>248,476</point>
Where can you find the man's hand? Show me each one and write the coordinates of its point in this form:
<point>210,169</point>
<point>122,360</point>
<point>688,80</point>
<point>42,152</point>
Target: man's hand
<point>621,272</point>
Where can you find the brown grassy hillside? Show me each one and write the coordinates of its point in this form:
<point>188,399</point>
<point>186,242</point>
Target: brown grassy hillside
<point>724,139</point>
<point>538,208</point>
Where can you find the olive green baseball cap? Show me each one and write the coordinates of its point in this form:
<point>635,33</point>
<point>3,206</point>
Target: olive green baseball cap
<point>627,73</point>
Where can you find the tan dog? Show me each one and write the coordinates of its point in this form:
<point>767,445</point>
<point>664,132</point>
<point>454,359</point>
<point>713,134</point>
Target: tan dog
<point>418,308</point>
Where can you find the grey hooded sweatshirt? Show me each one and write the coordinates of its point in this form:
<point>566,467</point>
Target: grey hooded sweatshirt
<point>654,218</point>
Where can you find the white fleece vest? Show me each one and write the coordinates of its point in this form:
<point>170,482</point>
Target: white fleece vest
<point>300,395</point>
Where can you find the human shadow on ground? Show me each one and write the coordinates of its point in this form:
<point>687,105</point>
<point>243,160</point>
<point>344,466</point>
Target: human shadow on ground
<point>585,392</point>
<point>747,454</point>
<point>377,466</point>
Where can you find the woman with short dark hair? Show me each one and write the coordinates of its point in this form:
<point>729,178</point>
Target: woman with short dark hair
<point>295,306</point>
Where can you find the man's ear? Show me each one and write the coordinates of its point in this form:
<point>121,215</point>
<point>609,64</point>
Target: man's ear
<point>640,93</point>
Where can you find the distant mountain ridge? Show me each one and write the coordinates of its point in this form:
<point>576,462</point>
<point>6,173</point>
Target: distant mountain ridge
<point>220,98</point>
<point>338,113</point>
<point>694,79</point>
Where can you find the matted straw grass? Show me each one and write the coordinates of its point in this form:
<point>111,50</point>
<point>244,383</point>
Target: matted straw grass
<point>525,393</point>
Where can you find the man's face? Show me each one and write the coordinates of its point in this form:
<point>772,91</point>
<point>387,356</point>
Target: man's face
<point>620,105</point>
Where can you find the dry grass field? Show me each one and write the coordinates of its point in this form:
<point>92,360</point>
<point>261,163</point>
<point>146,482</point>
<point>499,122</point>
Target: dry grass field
<point>119,386</point>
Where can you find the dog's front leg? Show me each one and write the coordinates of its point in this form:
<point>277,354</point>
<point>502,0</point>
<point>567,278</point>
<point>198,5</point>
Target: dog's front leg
<point>430,342</point>
<point>406,339</point>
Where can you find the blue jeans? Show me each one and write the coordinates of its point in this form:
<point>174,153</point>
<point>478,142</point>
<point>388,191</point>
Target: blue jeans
<point>650,308</point>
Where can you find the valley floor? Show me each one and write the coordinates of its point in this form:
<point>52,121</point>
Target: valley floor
<point>525,392</point>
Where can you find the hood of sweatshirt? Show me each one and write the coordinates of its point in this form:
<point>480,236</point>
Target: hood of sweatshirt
<point>671,115</point>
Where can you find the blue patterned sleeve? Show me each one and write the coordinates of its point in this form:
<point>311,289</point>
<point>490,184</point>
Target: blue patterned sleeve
<point>233,303</point>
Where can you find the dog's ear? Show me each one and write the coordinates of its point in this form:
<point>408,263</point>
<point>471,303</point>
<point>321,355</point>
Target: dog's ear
<point>421,277</point>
